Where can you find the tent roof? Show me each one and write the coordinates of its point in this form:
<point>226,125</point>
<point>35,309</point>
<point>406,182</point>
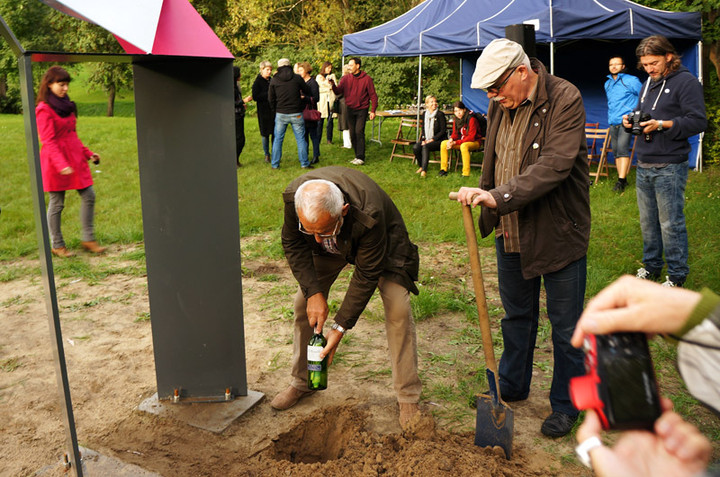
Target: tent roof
<point>437,27</point>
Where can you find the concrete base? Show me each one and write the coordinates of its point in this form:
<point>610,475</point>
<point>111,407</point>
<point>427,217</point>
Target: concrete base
<point>213,417</point>
<point>98,464</point>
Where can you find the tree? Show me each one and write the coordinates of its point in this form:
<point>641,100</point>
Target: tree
<point>31,22</point>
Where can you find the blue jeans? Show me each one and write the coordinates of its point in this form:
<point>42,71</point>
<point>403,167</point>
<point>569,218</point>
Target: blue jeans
<point>298,125</point>
<point>661,202</point>
<point>565,290</point>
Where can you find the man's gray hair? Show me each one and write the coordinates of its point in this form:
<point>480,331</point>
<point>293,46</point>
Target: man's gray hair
<point>316,196</point>
<point>264,64</point>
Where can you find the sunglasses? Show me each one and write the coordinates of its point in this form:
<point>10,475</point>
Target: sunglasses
<point>496,89</point>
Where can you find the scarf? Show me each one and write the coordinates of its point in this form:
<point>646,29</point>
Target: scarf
<point>62,106</point>
<point>430,124</point>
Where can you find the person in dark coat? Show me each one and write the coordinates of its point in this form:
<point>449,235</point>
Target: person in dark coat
<point>311,127</point>
<point>434,132</point>
<point>535,197</point>
<point>239,114</point>
<point>335,216</point>
<point>286,94</point>
<point>265,115</point>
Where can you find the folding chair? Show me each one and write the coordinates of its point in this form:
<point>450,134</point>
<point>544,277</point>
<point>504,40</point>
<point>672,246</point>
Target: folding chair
<point>405,138</point>
<point>592,144</point>
<point>604,135</point>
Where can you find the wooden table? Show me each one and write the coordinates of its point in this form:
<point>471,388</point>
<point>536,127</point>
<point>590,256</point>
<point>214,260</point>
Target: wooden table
<point>390,113</point>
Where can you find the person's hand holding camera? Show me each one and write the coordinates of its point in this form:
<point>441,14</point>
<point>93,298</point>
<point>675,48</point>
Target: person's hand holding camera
<point>632,304</point>
<point>676,448</point>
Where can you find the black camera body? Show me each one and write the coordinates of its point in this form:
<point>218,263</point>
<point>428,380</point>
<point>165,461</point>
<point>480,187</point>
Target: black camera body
<point>620,383</point>
<point>635,118</point>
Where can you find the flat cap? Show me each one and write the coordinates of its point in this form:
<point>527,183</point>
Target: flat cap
<point>283,62</point>
<point>499,56</point>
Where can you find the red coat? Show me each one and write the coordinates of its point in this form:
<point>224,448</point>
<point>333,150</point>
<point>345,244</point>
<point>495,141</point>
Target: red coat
<point>61,148</point>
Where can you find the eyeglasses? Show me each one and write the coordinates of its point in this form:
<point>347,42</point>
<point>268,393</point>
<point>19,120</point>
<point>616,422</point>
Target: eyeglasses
<point>336,230</point>
<point>496,89</point>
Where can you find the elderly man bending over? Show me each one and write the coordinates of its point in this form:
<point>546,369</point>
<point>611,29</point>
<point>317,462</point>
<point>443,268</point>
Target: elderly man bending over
<point>335,216</point>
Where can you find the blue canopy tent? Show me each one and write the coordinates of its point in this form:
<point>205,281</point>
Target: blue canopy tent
<point>575,38</point>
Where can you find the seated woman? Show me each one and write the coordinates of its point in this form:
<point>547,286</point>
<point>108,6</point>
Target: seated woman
<point>434,131</point>
<point>465,136</point>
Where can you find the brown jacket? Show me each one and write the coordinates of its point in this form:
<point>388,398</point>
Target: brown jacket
<point>373,237</point>
<point>552,191</point>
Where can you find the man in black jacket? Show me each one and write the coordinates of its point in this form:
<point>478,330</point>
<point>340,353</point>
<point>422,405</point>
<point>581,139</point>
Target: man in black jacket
<point>286,99</point>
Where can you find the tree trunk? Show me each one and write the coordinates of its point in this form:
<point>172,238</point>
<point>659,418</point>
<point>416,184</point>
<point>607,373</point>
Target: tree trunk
<point>111,101</point>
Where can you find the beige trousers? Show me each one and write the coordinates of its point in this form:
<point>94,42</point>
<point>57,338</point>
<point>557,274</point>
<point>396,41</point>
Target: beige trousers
<point>399,326</point>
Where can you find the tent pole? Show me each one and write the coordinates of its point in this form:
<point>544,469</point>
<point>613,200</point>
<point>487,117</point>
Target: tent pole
<point>699,160</point>
<point>419,93</point>
<point>552,58</point>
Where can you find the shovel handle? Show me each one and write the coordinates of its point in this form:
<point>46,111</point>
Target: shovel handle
<point>478,286</point>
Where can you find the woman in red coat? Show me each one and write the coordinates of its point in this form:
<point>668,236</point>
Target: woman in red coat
<point>64,160</point>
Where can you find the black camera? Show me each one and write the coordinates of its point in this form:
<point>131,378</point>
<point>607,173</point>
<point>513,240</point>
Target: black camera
<point>620,383</point>
<point>635,118</point>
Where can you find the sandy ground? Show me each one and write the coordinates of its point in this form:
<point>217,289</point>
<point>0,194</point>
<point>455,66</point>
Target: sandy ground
<point>350,429</point>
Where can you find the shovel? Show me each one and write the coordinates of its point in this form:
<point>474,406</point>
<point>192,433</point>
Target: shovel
<point>494,423</point>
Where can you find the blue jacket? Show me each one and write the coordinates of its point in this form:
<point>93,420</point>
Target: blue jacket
<point>678,97</point>
<point>622,95</point>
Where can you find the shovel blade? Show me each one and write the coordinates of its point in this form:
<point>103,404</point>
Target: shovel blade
<point>494,424</point>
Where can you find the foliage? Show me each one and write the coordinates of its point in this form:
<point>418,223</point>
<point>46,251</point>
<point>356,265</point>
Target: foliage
<point>31,22</point>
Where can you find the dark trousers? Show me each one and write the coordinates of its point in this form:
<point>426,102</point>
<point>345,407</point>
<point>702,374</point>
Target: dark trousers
<point>313,134</point>
<point>422,153</point>
<point>329,132</point>
<point>239,135</point>
<point>565,290</point>
<point>356,122</point>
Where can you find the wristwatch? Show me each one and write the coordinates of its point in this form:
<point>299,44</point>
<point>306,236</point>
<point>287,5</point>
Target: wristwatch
<point>660,125</point>
<point>335,326</point>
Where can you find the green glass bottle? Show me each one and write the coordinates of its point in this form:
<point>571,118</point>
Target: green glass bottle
<point>317,368</point>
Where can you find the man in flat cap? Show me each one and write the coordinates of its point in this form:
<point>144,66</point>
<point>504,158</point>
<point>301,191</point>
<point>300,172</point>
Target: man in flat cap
<point>535,194</point>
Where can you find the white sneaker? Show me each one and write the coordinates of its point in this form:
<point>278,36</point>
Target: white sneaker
<point>357,162</point>
<point>669,283</point>
<point>645,275</point>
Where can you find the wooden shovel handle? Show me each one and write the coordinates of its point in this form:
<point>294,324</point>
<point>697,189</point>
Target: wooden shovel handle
<point>478,285</point>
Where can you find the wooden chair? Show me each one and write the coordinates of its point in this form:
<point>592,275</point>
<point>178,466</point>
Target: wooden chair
<point>592,143</point>
<point>405,138</point>
<point>594,134</point>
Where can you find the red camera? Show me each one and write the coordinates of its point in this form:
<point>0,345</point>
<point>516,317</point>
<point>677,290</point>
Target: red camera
<point>620,383</point>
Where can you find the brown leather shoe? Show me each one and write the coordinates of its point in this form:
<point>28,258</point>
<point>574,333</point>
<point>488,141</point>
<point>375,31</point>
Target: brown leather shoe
<point>62,252</point>
<point>407,412</point>
<point>288,398</point>
<point>267,159</point>
<point>93,247</point>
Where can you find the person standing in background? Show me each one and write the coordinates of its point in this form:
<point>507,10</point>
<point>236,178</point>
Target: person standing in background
<point>286,99</point>
<point>359,91</point>
<point>239,114</point>
<point>312,132</point>
<point>64,160</point>
<point>623,91</point>
<point>673,97</point>
<point>265,115</point>
<point>326,105</point>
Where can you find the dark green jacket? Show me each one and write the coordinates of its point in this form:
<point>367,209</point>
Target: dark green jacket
<point>373,238</point>
<point>552,191</point>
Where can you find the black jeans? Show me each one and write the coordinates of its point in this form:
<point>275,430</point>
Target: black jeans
<point>239,135</point>
<point>356,120</point>
<point>313,134</point>
<point>422,153</point>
